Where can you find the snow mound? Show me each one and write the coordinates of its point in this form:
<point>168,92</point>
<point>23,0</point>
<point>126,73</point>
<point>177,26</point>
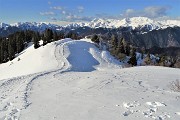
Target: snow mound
<point>84,56</point>
<point>79,55</point>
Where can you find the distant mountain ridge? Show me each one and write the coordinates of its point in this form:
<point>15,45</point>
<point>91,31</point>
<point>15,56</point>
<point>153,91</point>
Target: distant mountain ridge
<point>134,22</point>
<point>140,31</point>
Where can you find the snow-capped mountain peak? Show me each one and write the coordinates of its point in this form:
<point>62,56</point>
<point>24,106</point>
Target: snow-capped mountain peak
<point>133,22</point>
<point>4,25</point>
<point>37,26</point>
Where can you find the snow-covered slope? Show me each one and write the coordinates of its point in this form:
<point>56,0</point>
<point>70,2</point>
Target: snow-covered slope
<point>80,55</point>
<point>74,80</point>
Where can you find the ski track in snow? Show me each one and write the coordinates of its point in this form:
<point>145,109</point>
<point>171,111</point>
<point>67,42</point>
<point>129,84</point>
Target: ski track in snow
<point>101,94</point>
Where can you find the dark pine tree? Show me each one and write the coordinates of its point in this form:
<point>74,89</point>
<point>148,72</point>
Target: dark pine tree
<point>36,38</point>
<point>4,50</point>
<point>113,42</point>
<point>95,38</point>
<point>133,60</point>
<point>120,47</point>
<point>11,51</point>
<point>55,36</point>
<point>61,35</point>
<point>48,36</point>
<point>127,49</point>
<point>1,59</point>
<point>19,42</point>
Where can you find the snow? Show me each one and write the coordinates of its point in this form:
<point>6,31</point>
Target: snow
<point>30,61</point>
<point>3,25</point>
<point>41,26</point>
<point>134,22</point>
<point>75,80</point>
<point>35,60</point>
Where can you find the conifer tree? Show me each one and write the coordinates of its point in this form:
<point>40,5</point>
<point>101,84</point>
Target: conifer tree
<point>55,36</point>
<point>95,38</point>
<point>19,43</point>
<point>113,42</point>
<point>120,47</point>
<point>48,36</point>
<point>127,49</point>
<point>36,38</point>
<point>1,52</point>
<point>4,54</point>
<point>61,35</point>
<point>133,60</point>
<point>11,51</point>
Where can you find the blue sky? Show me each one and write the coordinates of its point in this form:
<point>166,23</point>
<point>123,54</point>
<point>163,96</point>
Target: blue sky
<point>12,11</point>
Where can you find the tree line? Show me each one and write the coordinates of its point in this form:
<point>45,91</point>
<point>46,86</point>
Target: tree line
<point>13,44</point>
<point>122,49</point>
<point>119,48</point>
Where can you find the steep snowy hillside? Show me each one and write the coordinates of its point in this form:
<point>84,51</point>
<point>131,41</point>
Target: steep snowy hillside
<point>74,80</point>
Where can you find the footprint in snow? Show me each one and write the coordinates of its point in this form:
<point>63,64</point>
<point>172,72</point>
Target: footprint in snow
<point>131,105</point>
<point>162,117</point>
<point>131,108</point>
<point>155,104</point>
<point>153,108</point>
<point>14,111</point>
<point>177,113</point>
<point>128,112</point>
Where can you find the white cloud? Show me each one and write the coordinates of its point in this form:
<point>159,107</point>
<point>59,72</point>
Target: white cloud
<point>75,18</point>
<point>61,22</point>
<point>57,8</point>
<point>49,2</point>
<point>64,12</point>
<point>129,12</point>
<point>80,9</point>
<point>156,11</point>
<point>53,18</point>
<point>150,11</point>
<point>47,13</point>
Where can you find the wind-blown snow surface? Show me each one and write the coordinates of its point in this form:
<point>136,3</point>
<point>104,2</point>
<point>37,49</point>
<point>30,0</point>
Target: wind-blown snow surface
<point>74,80</point>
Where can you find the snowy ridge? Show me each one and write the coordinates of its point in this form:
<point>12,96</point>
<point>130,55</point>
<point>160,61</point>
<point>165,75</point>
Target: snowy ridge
<point>134,22</point>
<point>63,53</point>
<point>3,25</point>
<point>36,26</point>
<point>73,79</point>
<point>128,22</point>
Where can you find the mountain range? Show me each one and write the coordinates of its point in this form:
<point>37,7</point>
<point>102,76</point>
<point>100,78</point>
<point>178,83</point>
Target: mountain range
<point>140,31</point>
<point>133,23</point>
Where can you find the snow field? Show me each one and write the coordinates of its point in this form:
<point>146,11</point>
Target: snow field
<point>74,80</point>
